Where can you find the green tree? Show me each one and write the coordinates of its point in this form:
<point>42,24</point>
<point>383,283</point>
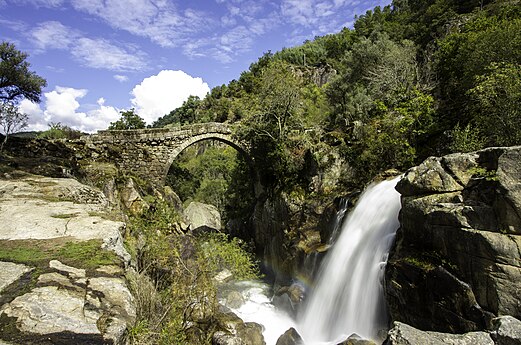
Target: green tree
<point>466,55</point>
<point>16,80</point>
<point>129,120</point>
<point>273,126</point>
<point>187,113</point>
<point>376,69</point>
<point>497,104</point>
<point>11,120</point>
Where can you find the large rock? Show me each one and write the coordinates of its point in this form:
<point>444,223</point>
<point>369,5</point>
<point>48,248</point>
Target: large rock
<point>58,207</point>
<point>290,337</point>
<point>235,331</point>
<point>456,262</point>
<point>68,304</point>
<point>507,331</point>
<point>203,216</point>
<point>403,334</point>
<point>11,272</point>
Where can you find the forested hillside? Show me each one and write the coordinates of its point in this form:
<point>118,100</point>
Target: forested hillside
<point>414,79</point>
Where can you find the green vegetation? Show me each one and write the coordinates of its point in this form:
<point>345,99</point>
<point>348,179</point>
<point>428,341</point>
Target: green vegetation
<point>173,287</point>
<point>413,79</point>
<point>129,120</point>
<point>86,254</point>
<point>216,174</point>
<point>59,131</point>
<point>16,80</point>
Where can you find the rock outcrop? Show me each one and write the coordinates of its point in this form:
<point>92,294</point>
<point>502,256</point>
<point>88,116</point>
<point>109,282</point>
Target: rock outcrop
<point>45,301</point>
<point>456,263</point>
<point>402,334</point>
<point>202,217</point>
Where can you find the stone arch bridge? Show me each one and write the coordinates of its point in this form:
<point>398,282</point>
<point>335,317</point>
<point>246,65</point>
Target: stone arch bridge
<point>149,153</point>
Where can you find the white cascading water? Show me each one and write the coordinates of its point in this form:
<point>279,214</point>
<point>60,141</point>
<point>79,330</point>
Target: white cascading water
<point>348,297</point>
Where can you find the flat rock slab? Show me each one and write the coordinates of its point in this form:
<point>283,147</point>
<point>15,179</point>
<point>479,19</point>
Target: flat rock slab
<point>72,304</point>
<point>11,272</point>
<point>51,310</point>
<point>39,207</point>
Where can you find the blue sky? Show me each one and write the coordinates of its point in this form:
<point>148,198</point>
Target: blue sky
<point>103,56</point>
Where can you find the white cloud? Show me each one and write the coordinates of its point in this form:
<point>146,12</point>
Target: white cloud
<point>39,3</point>
<point>101,54</point>
<point>61,105</point>
<point>90,52</point>
<point>121,78</point>
<point>159,94</point>
<point>52,35</point>
<point>325,16</point>
<point>36,121</point>
<point>160,21</point>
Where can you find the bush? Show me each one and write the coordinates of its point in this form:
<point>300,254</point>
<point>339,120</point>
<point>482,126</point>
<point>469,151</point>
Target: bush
<point>59,131</point>
<point>174,291</point>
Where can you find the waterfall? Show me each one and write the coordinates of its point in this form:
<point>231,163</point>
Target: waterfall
<point>348,296</point>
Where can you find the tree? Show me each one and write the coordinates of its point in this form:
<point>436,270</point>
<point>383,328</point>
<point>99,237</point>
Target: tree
<point>496,101</point>
<point>186,114</point>
<point>16,80</point>
<point>129,120</point>
<point>274,112</point>
<point>11,120</point>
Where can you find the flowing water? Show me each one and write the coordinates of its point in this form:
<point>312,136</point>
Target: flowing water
<point>348,296</point>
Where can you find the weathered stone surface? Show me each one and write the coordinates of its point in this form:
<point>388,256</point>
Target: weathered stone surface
<point>59,207</point>
<point>403,334</point>
<point>471,232</point>
<point>116,295</point>
<point>57,279</point>
<point>234,300</point>
<point>11,272</point>
<point>72,272</point>
<point>235,331</point>
<point>132,199</point>
<point>429,177</point>
<point>355,339</point>
<point>290,337</point>
<point>223,277</point>
<point>223,338</point>
<point>507,331</point>
<point>69,302</point>
<point>202,216</point>
<point>149,153</point>
<point>67,305</point>
<point>50,310</point>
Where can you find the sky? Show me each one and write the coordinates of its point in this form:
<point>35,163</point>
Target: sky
<point>100,57</point>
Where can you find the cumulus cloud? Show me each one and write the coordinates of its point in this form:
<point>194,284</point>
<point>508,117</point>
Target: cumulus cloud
<point>159,94</point>
<point>90,52</point>
<point>62,104</point>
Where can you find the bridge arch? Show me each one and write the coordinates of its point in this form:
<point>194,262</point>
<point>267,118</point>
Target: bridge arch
<point>149,153</point>
<point>224,138</point>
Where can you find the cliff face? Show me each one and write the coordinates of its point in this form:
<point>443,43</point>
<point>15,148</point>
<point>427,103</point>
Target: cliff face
<point>456,263</point>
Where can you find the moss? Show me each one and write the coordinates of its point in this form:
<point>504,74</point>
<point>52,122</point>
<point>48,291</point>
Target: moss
<point>64,215</point>
<point>38,253</point>
<point>419,262</point>
<point>480,172</point>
